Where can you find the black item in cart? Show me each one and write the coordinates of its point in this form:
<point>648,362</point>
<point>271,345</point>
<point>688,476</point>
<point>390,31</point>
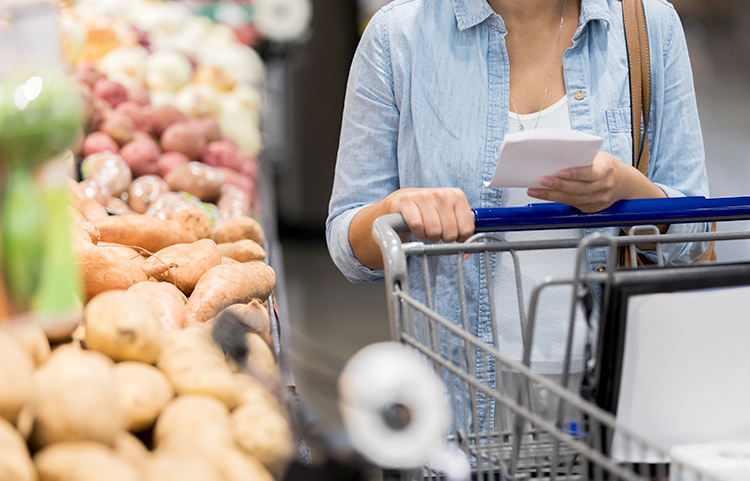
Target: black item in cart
<point>623,286</point>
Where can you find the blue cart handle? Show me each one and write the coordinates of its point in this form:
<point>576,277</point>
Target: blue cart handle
<point>675,210</point>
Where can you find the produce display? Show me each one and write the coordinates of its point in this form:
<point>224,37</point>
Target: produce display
<point>160,244</point>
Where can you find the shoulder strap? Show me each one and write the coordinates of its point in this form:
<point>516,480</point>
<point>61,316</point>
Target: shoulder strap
<point>636,37</point>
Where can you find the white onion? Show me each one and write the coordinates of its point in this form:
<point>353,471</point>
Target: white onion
<point>126,65</point>
<point>198,100</point>
<point>168,70</point>
<point>282,20</point>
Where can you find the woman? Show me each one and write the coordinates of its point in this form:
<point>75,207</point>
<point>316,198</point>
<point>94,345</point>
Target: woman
<point>434,88</point>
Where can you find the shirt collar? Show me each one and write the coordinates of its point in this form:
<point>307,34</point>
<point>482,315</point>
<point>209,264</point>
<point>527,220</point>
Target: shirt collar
<point>470,13</point>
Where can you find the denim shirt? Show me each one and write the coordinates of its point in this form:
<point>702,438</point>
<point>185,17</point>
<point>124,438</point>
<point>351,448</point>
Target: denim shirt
<point>427,106</point>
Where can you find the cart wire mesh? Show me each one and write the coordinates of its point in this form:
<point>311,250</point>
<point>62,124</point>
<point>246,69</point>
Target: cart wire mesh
<point>539,427</point>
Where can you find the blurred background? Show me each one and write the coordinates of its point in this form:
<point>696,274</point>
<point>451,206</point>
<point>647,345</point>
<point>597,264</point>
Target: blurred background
<point>330,318</point>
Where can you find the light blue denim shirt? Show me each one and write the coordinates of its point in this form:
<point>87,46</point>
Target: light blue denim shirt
<point>427,106</point>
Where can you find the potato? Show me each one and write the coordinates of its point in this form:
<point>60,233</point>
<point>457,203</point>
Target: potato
<point>76,399</point>
<point>180,467</point>
<point>16,377</point>
<point>209,127</point>
<point>141,155</point>
<point>108,169</point>
<point>253,392</point>
<point>118,206</point>
<point>139,95</point>
<point>260,359</point>
<point>238,228</point>
<point>99,142</point>
<point>141,115</point>
<point>164,117</point>
<point>192,420</point>
<point>254,316</point>
<point>200,180</point>
<point>150,233</point>
<point>88,75</point>
<point>82,461</point>
<point>95,190</point>
<point>167,302</point>
<point>123,326</point>
<point>195,365</point>
<point>112,92</point>
<point>243,250</point>
<point>169,161</point>
<point>103,270</point>
<point>229,284</point>
<point>28,334</point>
<point>263,432</point>
<point>187,263</point>
<point>195,220</point>
<point>119,126</point>
<point>15,461</point>
<point>233,202</point>
<point>143,393</point>
<point>144,190</point>
<point>183,137</point>
<point>221,153</point>
<point>131,449</point>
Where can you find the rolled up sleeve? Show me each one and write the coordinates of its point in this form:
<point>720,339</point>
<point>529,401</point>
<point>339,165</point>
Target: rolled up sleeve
<point>366,164</point>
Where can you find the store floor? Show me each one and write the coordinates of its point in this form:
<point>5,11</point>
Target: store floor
<point>331,319</point>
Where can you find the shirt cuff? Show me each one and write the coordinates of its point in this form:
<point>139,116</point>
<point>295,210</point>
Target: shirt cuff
<point>342,253</point>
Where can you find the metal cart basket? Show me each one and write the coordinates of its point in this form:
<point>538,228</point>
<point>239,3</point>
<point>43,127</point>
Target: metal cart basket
<point>505,430</point>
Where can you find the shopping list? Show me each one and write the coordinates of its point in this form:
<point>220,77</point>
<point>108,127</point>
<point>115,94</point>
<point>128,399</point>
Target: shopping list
<point>527,156</point>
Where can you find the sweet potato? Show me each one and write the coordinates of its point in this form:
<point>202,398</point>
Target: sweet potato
<point>141,155</point>
<point>15,461</point>
<point>187,263</point>
<point>167,302</point>
<point>124,327</point>
<point>143,391</point>
<point>238,228</point>
<point>103,270</point>
<point>228,260</point>
<point>125,252</point>
<point>82,461</point>
<point>185,138</point>
<point>16,377</point>
<point>243,250</point>
<point>255,316</point>
<point>144,190</point>
<point>200,180</point>
<point>112,92</point>
<point>195,365</point>
<point>229,284</point>
<point>109,169</point>
<point>150,233</point>
<point>76,399</point>
<point>99,142</point>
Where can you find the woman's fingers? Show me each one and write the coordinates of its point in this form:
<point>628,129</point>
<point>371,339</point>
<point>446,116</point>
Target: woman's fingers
<point>435,214</point>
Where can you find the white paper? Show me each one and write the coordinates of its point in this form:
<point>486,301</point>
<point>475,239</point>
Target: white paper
<point>527,156</point>
<point>686,370</point>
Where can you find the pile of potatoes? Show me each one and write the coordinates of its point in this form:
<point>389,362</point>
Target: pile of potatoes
<point>131,400</point>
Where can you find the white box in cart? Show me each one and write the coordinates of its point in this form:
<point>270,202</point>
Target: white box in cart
<point>686,370</point>
<point>722,460</point>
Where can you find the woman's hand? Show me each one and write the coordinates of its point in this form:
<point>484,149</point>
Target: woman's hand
<point>432,214</point>
<point>598,186</point>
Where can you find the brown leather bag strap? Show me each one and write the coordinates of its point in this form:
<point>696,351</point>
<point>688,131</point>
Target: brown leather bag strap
<point>636,37</point>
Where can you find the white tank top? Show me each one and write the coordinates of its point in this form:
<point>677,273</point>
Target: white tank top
<point>554,304</point>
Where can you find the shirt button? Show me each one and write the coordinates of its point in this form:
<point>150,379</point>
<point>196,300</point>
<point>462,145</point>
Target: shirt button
<point>498,93</point>
<point>601,269</point>
<point>579,95</point>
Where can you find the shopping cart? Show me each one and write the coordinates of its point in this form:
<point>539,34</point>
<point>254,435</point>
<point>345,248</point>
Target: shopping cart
<point>522,439</point>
